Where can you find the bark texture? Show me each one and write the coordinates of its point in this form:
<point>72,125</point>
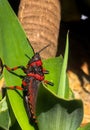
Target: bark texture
<point>41,20</point>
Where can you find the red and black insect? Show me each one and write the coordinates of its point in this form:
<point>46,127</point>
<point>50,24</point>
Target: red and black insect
<point>34,75</point>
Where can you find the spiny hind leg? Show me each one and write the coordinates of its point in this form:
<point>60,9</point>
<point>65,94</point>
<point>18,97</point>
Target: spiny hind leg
<point>11,88</point>
<point>15,68</point>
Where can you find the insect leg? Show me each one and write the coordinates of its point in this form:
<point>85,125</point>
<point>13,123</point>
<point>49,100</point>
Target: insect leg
<point>15,87</point>
<point>45,71</point>
<point>15,68</point>
<point>48,82</point>
<point>11,88</point>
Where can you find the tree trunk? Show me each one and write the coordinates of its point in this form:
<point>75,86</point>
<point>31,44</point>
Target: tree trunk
<point>41,20</point>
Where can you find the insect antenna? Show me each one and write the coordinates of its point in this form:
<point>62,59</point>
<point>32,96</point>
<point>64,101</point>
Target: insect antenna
<point>43,48</point>
<point>38,51</point>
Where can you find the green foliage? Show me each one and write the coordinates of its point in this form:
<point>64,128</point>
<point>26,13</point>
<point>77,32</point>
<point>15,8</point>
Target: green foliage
<point>56,109</point>
<point>87,127</point>
<point>55,113</point>
<point>4,115</point>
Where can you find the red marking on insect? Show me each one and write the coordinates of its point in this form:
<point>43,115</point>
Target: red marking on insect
<point>37,63</point>
<point>24,83</point>
<point>15,87</point>
<point>34,74</point>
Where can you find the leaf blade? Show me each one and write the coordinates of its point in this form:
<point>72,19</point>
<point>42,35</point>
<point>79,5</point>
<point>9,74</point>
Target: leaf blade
<point>13,46</point>
<point>57,113</point>
<point>63,90</point>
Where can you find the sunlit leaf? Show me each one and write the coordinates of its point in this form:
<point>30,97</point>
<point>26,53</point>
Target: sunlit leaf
<point>54,113</point>
<point>13,46</point>
<point>4,115</point>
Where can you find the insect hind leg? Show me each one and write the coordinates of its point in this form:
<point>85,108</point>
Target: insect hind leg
<point>4,90</point>
<point>10,70</point>
<point>48,82</point>
<point>14,68</point>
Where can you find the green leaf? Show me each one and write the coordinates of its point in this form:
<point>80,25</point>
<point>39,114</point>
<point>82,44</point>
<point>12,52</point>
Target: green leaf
<point>58,76</point>
<point>13,46</point>
<point>4,115</point>
<point>54,113</point>
<point>86,127</point>
<point>54,66</point>
<point>63,89</point>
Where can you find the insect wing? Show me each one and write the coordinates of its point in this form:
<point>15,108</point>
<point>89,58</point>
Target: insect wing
<point>31,97</point>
